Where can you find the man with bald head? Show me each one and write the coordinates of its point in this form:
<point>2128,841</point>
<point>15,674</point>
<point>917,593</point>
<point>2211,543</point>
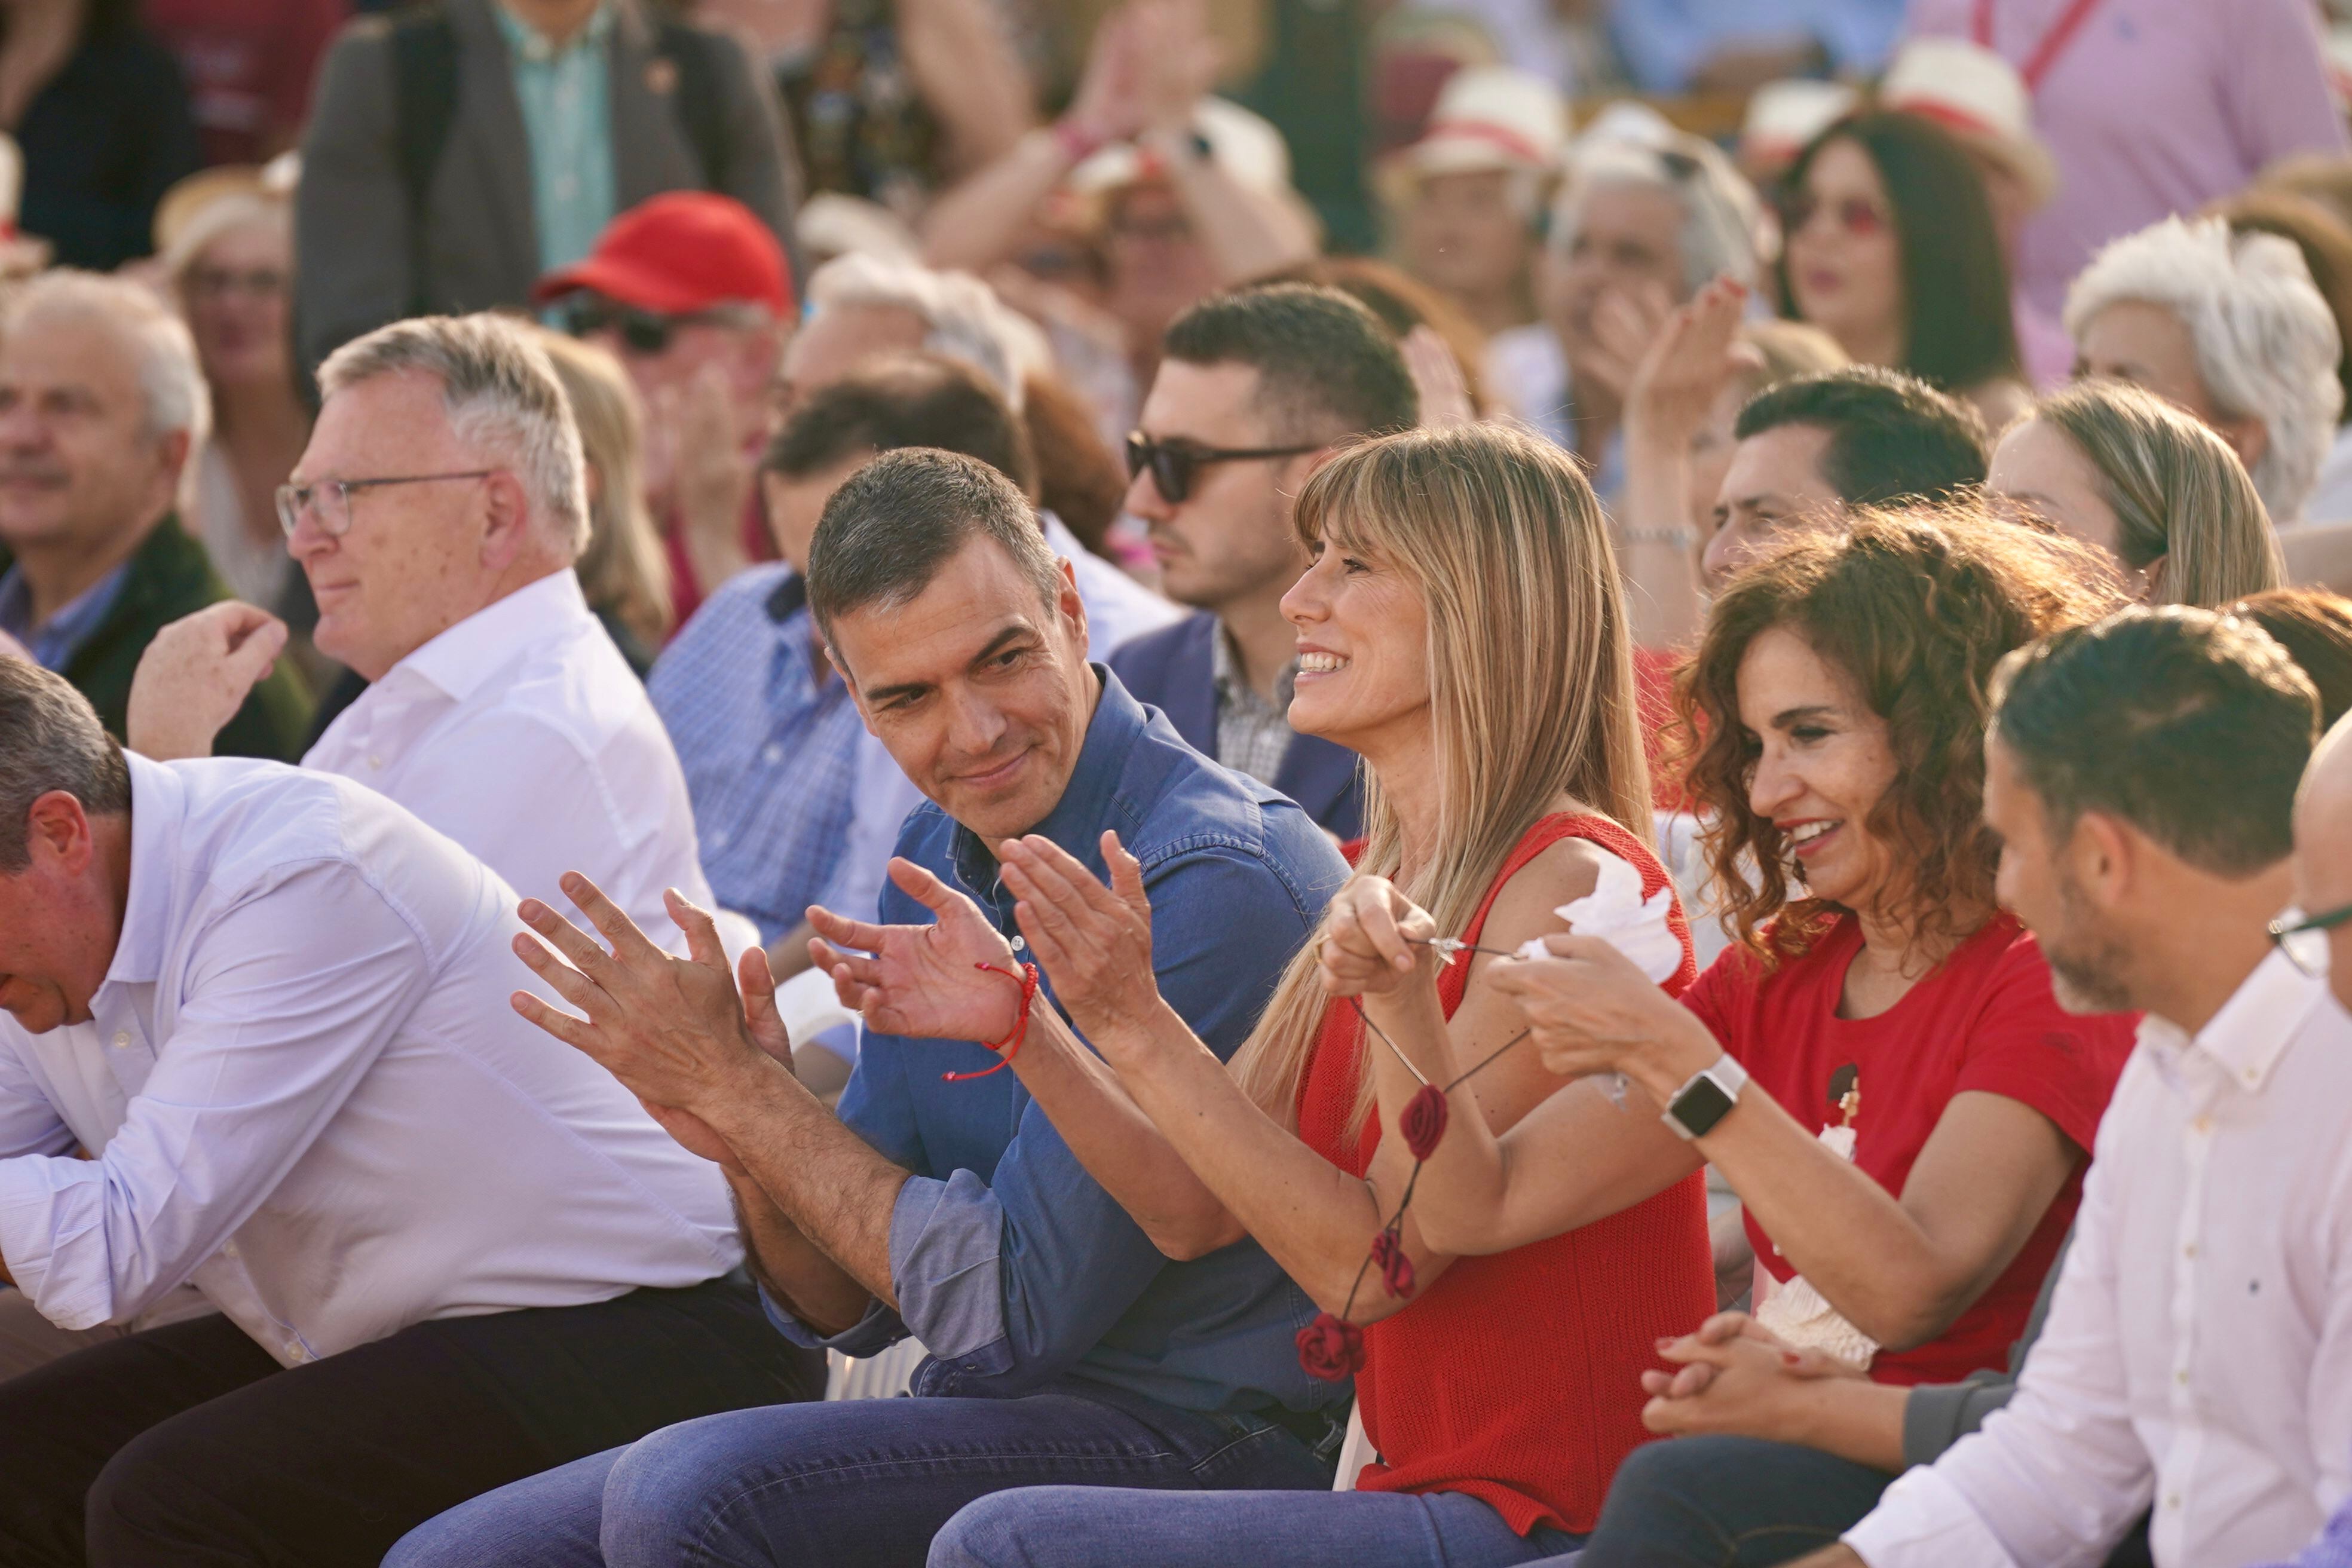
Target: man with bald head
<point>2142,776</point>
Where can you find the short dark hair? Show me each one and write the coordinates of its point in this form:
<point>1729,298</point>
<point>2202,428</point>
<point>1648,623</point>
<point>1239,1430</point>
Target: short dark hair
<point>1327,367</point>
<point>1893,437</point>
<point>905,400</point>
<point>2193,727</point>
<point>1960,325</point>
<point>2314,626</point>
<point>895,522</point>
<point>50,739</point>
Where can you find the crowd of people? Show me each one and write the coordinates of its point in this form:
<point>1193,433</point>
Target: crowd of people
<point>1466,784</point>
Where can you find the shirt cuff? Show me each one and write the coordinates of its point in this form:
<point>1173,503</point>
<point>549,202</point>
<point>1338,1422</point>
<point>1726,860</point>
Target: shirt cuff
<point>946,1238</point>
<point>53,1238</point>
<point>872,1334</point>
<point>1923,1521</point>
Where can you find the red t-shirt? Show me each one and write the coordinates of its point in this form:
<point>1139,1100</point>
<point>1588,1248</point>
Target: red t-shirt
<point>249,65</point>
<point>1983,1019</point>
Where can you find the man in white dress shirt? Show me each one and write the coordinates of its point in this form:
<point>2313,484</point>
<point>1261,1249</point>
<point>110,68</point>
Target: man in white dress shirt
<point>438,511</point>
<point>447,1251</point>
<point>2197,1355</point>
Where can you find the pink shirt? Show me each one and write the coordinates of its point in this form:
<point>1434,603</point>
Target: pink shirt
<point>2155,107</point>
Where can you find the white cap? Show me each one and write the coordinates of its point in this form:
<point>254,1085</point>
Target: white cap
<point>1246,146</point>
<point>1490,116</point>
<point>1977,96</point>
<point>1783,116</point>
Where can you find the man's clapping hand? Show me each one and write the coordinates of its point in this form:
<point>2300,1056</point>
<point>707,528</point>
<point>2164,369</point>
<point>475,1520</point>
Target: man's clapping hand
<point>196,675</point>
<point>924,981</point>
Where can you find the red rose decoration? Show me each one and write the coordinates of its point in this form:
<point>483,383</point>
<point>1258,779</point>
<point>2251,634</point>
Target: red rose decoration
<point>1331,1348</point>
<point>1425,1122</point>
<point>1396,1269</point>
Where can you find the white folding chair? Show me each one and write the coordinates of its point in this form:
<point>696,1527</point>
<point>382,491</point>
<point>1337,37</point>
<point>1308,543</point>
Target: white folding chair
<point>808,1007</point>
<point>1355,1453</point>
<point>884,1376</point>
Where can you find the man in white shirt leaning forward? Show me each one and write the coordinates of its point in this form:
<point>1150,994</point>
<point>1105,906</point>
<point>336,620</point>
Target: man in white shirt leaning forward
<point>2196,1361</point>
<point>447,1251</point>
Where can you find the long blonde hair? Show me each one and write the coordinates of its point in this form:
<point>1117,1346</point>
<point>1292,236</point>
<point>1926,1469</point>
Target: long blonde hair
<point>2177,492</point>
<point>1530,669</point>
<point>623,570</point>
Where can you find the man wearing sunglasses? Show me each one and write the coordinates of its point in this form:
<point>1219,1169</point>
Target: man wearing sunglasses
<point>691,292</point>
<point>2142,777</point>
<point>1253,388</point>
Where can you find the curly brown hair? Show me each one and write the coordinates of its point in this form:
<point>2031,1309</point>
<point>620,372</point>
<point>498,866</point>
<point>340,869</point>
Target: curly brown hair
<point>1916,605</point>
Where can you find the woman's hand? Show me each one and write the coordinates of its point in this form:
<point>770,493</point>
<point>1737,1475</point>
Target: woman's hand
<point>1733,1376</point>
<point>1590,1010</point>
<point>1687,361</point>
<point>1094,940</point>
<point>930,981</point>
<point>1375,941</point>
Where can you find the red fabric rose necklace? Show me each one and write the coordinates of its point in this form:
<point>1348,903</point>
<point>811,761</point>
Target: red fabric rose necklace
<point>1332,1348</point>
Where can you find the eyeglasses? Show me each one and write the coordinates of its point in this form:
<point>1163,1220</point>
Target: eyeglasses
<point>1172,462</point>
<point>649,332</point>
<point>1858,216</point>
<point>219,282</point>
<point>2304,938</point>
<point>329,501</point>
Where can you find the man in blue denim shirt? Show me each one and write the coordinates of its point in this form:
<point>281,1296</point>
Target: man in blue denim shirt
<point>1066,1347</point>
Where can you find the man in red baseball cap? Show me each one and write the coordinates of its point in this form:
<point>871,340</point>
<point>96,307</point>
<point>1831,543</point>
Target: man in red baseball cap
<point>692,293</point>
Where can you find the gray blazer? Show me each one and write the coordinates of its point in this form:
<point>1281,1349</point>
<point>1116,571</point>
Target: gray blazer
<point>481,250</point>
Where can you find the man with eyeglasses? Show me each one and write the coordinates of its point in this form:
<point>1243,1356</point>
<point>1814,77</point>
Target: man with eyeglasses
<point>693,295</point>
<point>2142,776</point>
<point>1254,388</point>
<point>437,512</point>
<point>101,406</point>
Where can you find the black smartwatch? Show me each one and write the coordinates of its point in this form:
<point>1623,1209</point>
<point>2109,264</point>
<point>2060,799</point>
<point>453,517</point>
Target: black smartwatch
<point>1707,1099</point>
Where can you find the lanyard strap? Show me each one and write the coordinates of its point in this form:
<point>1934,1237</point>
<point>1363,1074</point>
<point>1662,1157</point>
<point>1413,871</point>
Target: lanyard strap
<point>2054,43</point>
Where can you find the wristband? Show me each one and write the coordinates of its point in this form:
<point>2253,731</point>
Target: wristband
<point>1010,1044</point>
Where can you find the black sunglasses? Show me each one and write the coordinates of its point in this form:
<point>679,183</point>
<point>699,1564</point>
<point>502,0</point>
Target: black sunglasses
<point>1171,463</point>
<point>641,332</point>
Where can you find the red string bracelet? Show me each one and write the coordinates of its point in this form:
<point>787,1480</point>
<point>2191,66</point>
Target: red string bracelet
<point>1005,1047</point>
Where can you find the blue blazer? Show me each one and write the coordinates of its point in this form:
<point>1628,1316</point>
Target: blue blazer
<point>1173,670</point>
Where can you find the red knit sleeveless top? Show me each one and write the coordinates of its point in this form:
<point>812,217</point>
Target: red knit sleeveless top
<point>1516,1378</point>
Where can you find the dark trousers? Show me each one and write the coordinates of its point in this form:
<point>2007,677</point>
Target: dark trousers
<point>188,1444</point>
<point>1742,1502</point>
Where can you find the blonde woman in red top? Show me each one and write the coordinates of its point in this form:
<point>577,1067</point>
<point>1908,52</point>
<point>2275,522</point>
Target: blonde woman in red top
<point>1462,628</point>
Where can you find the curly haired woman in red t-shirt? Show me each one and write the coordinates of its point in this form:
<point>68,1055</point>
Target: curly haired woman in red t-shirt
<point>1877,1065</point>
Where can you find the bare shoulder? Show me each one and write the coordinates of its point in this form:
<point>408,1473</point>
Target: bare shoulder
<point>1528,906</point>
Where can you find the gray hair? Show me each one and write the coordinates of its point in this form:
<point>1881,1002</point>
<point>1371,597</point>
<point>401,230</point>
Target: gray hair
<point>171,383</point>
<point>2265,341</point>
<point>962,318</point>
<point>50,739</point>
<point>1724,233</point>
<point>501,393</point>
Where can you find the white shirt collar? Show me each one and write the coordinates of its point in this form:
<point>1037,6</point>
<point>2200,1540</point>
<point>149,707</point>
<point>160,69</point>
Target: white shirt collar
<point>462,658</point>
<point>2251,1032</point>
<point>158,802</point>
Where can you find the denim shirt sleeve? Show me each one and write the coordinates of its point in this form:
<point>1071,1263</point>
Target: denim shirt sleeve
<point>1010,1282</point>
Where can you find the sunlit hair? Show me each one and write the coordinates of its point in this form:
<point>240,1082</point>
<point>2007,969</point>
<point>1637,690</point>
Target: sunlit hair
<point>2177,492</point>
<point>623,569</point>
<point>1914,607</point>
<point>1531,677</point>
<point>2265,341</point>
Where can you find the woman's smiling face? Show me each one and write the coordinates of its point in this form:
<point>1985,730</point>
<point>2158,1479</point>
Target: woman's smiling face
<point>1824,760</point>
<point>1363,645</point>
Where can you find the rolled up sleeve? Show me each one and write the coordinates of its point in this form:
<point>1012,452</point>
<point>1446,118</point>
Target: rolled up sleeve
<point>266,1047</point>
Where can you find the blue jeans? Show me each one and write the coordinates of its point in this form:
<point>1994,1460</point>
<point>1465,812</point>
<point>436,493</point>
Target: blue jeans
<point>1084,1526</point>
<point>1728,1502</point>
<point>863,1481</point>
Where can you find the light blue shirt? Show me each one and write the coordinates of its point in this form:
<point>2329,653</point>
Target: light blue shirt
<point>566,96</point>
<point>55,641</point>
<point>1664,42</point>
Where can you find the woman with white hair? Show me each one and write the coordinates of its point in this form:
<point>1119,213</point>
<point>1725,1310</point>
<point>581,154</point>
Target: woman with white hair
<point>2228,327</point>
<point>1647,217</point>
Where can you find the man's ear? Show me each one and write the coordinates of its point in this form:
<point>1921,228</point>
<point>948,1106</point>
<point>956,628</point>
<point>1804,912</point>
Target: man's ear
<point>506,520</point>
<point>57,829</point>
<point>2105,858</point>
<point>2248,436</point>
<point>1072,607</point>
<point>2152,580</point>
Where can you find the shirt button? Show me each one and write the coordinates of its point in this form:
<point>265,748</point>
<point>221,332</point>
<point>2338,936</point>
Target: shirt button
<point>2181,1377</point>
<point>122,1039</point>
<point>1020,945</point>
<point>2189,1250</point>
<point>772,753</point>
<point>375,758</point>
<point>2173,1501</point>
<point>294,1351</point>
<point>229,1250</point>
<point>2204,1126</point>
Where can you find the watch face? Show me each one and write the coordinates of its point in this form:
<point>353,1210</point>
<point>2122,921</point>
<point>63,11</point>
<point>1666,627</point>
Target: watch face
<point>1701,1106</point>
